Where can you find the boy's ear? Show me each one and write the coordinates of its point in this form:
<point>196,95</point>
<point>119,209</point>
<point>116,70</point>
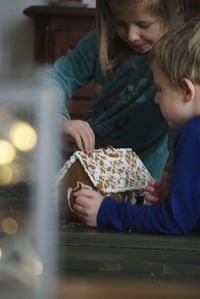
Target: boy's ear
<point>189,89</point>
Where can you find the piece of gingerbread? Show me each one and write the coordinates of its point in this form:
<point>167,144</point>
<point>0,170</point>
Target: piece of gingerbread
<point>116,172</point>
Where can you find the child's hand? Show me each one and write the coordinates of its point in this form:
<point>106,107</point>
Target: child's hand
<point>87,203</point>
<point>157,190</point>
<point>81,132</point>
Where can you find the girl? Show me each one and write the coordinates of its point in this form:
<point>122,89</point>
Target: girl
<point>123,112</point>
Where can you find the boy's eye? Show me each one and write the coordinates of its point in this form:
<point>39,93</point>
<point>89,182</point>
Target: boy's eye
<point>158,88</point>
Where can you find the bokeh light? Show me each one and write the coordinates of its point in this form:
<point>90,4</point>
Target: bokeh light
<point>37,267</point>
<point>32,267</point>
<point>9,226</point>
<point>6,175</point>
<point>7,152</point>
<point>11,174</point>
<point>1,253</point>
<point>23,136</point>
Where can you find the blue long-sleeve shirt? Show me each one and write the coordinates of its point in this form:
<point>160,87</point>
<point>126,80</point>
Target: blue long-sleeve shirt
<point>122,109</point>
<point>180,213</point>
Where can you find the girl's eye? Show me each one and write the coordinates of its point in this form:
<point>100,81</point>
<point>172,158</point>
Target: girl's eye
<point>145,24</point>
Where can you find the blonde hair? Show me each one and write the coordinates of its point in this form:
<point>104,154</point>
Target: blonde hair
<point>113,50</point>
<point>178,53</point>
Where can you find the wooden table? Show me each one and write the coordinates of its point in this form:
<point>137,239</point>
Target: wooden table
<point>107,264</point>
<point>110,289</point>
<point>86,252</point>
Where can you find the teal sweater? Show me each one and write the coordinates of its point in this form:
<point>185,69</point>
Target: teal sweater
<point>122,111</point>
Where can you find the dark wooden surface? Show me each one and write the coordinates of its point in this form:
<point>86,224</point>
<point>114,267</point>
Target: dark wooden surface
<point>88,252</point>
<point>106,289</point>
<point>56,31</point>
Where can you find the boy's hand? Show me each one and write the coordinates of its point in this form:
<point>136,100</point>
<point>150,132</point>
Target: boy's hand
<point>157,190</point>
<point>87,203</point>
<point>81,132</point>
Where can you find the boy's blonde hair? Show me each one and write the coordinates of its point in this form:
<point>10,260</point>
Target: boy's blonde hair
<point>178,53</point>
<point>113,50</point>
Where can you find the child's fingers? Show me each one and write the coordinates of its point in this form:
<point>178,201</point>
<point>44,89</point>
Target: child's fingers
<point>81,132</point>
<point>150,189</point>
<point>89,139</point>
<point>151,198</point>
<point>82,201</point>
<point>78,140</point>
<point>154,183</point>
<point>79,209</point>
<point>85,192</point>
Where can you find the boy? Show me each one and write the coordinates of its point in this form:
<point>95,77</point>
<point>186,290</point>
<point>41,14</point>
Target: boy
<point>175,62</point>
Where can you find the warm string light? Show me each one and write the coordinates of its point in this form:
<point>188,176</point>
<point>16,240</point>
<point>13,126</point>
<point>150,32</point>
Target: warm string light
<point>9,226</point>
<point>32,267</point>
<point>37,267</point>
<point>7,152</point>
<point>23,137</point>
<point>6,175</point>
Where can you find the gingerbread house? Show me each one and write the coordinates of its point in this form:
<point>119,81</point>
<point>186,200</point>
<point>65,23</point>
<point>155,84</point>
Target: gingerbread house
<point>116,172</point>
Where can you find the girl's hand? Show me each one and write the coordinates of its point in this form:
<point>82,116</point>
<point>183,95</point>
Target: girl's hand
<point>157,190</point>
<point>81,133</point>
<point>87,203</point>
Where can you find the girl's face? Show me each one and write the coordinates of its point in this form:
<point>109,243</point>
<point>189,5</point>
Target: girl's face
<point>135,25</point>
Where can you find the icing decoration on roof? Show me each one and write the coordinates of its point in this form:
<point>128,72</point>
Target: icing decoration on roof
<point>111,170</point>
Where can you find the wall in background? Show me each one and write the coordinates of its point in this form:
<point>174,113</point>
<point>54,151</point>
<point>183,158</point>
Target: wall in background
<point>16,37</point>
<point>90,3</point>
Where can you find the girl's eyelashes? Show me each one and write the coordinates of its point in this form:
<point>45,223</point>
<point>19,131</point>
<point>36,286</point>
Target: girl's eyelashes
<point>142,25</point>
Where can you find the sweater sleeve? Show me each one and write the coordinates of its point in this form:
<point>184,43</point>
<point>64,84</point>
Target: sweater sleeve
<point>74,70</point>
<point>180,212</point>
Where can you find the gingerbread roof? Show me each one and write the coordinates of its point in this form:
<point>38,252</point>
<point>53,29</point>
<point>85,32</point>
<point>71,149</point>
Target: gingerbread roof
<point>111,170</point>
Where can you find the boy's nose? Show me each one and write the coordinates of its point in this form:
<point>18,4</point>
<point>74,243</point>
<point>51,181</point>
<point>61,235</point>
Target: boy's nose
<point>132,33</point>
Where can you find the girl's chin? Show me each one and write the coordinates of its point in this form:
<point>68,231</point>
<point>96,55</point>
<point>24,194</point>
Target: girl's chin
<point>142,49</point>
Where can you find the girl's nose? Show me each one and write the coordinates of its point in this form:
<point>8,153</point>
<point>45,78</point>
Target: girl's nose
<point>132,33</point>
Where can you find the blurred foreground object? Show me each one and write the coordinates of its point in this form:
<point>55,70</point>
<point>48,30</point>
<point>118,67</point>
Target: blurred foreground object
<point>28,164</point>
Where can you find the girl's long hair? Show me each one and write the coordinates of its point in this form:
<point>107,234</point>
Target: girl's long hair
<point>112,49</point>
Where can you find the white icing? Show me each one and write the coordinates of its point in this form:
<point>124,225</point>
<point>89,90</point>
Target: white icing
<point>65,168</point>
<point>114,170</point>
<point>79,185</point>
